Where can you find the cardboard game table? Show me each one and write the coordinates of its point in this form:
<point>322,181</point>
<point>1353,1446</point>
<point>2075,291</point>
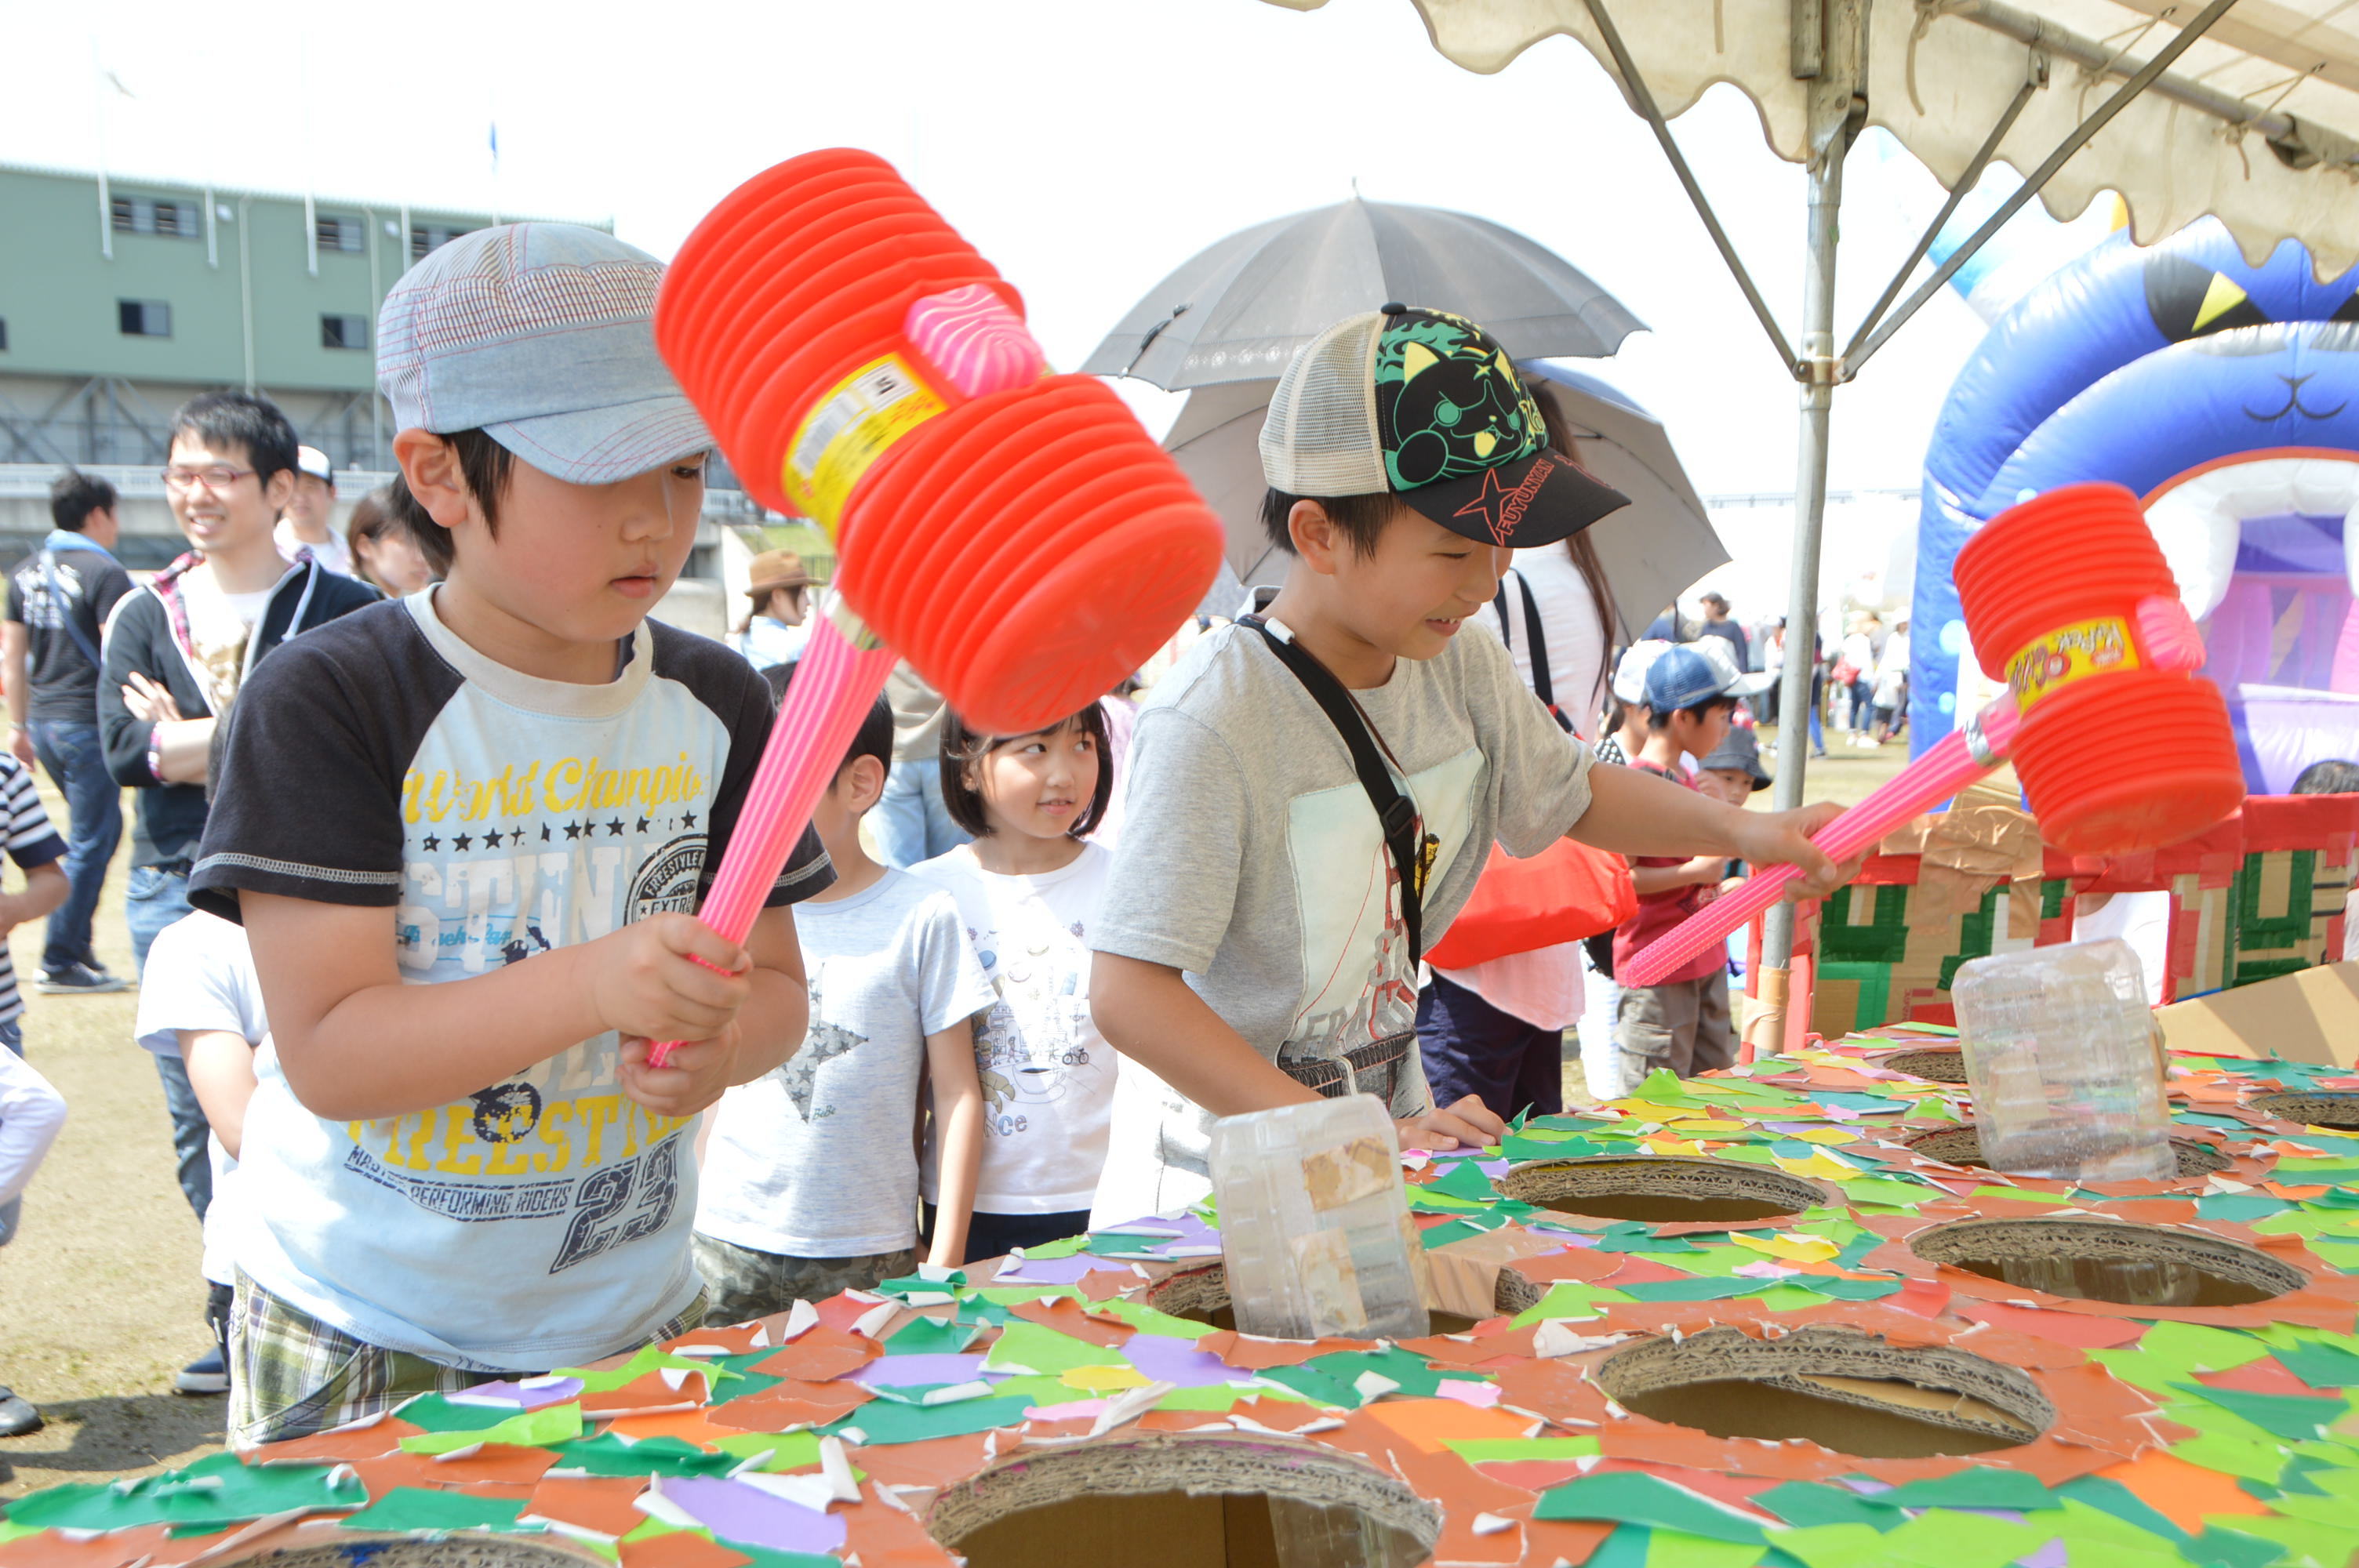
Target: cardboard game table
<point>1777,1317</point>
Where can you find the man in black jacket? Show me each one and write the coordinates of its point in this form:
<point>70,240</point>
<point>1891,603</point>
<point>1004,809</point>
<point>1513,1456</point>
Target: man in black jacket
<point>176,651</point>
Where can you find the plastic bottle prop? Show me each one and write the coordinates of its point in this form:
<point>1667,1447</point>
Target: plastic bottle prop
<point>1014,534</point>
<point>2119,746</point>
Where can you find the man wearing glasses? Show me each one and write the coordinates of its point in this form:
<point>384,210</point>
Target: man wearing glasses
<point>176,651</point>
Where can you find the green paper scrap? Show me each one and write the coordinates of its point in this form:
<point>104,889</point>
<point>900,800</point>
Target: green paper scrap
<point>881,1423</point>
<point>1980,1488</point>
<point>11,1530</point>
<point>1042,1389</point>
<point>607,1455</point>
<point>2113,1498</point>
<point>1946,1538</point>
<point>1632,1497</point>
<point>1832,1545</point>
<point>1015,1295</point>
<point>2221,1548</point>
<point>1122,1245</point>
<point>2261,1460</point>
<point>1847,1290</point>
<point>1463,1179</point>
<point>931,1337</point>
<point>1625,1548</point>
<point>1318,1388</point>
<point>2239,1205</point>
<point>649,1528</point>
<point>1457,1230</point>
<point>771,1557</point>
<point>907,1285</point>
<point>2025,1194</point>
<point>1425,1200</point>
<point>1569,1299</point>
<point>977,1310</point>
<point>785,1450</point>
<point>1695,1290</point>
<point>1416,1379</point>
<point>2321,1365</point>
<point>2097,1535</point>
<point>1147,1320</point>
<point>1807,1503</point>
<point>1677,1549</point>
<point>1786,1297</point>
<point>1063,1247</point>
<point>2294,1417</point>
<point>1556,1146</point>
<point>2327,1543</point>
<point>532,1429</point>
<point>2343,1255</point>
<point>1888,1192</point>
<point>1637,1235</point>
<point>406,1510</point>
<point>214,1492</point>
<point>1510,1450</point>
<point>1027,1347</point>
<point>2170,1353</point>
<point>650,1358</point>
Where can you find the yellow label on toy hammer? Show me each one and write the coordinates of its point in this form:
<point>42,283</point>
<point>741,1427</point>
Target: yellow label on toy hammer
<point>2069,654</point>
<point>848,429</point>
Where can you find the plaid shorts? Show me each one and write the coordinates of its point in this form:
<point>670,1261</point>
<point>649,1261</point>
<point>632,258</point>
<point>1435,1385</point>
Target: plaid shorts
<point>742,1283</point>
<point>293,1376</point>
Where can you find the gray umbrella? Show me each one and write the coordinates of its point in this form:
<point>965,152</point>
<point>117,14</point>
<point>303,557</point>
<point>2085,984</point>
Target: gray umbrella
<point>1237,310</point>
<point>1652,550</point>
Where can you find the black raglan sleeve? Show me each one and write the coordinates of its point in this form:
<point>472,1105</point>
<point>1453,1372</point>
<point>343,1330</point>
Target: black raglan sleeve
<point>308,797</point>
<point>743,699</point>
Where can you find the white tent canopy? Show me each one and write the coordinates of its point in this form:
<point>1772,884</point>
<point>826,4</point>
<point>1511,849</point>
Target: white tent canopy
<point>2258,123</point>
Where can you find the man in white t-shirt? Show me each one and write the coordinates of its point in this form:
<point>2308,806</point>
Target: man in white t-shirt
<point>310,521</point>
<point>201,1003</point>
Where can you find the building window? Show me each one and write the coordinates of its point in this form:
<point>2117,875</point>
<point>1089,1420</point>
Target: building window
<point>340,234</point>
<point>427,238</point>
<point>144,318</point>
<point>343,331</point>
<point>3,335</point>
<point>145,215</point>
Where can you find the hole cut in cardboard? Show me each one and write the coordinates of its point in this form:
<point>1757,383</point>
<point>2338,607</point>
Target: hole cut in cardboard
<point>2111,1260</point>
<point>1963,1146</point>
<point>1660,1189</point>
<point>1940,1066</point>
<point>458,1551</point>
<point>1180,1500</point>
<point>2319,1110</point>
<point>1201,1295</point>
<point>1843,1389</point>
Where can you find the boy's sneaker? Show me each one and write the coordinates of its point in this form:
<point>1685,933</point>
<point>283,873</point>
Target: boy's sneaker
<point>78,980</point>
<point>208,1374</point>
<point>17,1415</point>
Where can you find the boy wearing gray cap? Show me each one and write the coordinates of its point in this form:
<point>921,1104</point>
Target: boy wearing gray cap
<point>465,832</point>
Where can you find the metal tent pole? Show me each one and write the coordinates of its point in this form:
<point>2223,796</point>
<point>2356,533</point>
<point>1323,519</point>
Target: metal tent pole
<point>1837,108</point>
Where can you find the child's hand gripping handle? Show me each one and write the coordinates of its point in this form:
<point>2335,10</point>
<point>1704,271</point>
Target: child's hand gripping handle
<point>1958,759</point>
<point>842,672</point>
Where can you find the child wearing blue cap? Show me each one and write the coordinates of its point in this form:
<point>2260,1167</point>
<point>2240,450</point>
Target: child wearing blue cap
<point>465,831</point>
<point>1690,693</point>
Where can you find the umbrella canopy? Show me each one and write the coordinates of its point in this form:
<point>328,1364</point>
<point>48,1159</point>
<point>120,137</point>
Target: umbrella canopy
<point>1652,550</point>
<point>1237,310</point>
<point>2269,147</point>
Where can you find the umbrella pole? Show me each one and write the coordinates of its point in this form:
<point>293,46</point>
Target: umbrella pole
<point>1836,112</point>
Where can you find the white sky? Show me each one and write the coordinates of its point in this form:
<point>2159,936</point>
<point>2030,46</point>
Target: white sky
<point>1087,146</point>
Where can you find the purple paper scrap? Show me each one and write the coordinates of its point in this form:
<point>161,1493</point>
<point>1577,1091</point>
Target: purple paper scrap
<point>1168,1358</point>
<point>918,1372</point>
<point>1059,1270</point>
<point>543,1392</point>
<point>734,1512</point>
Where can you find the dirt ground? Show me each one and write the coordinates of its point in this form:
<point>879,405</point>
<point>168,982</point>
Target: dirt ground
<point>100,1298</point>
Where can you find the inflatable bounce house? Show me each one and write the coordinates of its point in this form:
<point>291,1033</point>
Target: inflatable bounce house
<point>2227,396</point>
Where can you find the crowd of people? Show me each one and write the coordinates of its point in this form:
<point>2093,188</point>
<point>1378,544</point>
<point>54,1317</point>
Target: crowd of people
<point>423,813</point>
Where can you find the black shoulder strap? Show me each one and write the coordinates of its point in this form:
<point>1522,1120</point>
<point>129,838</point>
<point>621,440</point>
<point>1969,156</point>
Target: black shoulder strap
<point>1396,812</point>
<point>1542,686</point>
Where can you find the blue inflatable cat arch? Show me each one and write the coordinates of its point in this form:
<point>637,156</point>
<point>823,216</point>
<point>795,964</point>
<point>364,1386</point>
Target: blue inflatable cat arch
<point>2226,397</point>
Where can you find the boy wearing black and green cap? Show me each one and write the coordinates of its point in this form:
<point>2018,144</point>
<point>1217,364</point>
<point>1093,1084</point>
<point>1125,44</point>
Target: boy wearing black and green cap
<point>1260,938</point>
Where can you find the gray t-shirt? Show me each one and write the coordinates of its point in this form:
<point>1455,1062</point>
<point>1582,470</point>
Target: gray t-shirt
<point>815,1158</point>
<point>1251,861</point>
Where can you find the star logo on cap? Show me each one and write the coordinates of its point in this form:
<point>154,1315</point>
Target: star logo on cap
<point>1490,503</point>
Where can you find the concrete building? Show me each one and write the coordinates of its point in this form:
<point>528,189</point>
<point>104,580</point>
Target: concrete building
<point>122,298</point>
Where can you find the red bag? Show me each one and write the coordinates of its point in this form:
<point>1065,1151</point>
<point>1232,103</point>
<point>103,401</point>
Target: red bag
<point>1565,893</point>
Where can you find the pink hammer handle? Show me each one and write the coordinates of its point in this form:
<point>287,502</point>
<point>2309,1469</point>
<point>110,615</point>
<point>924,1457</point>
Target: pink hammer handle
<point>832,691</point>
<point>1953,763</point>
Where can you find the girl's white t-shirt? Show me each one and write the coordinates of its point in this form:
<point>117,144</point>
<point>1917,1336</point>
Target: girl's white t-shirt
<point>1048,1075</point>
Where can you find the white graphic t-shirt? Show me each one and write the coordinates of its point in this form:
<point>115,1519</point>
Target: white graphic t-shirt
<point>813,1158</point>
<point>1047,1074</point>
<point>381,761</point>
<point>200,977</point>
<point>1252,862</point>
